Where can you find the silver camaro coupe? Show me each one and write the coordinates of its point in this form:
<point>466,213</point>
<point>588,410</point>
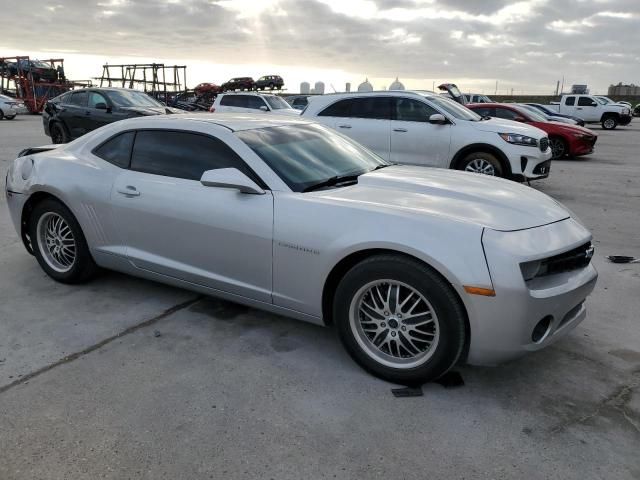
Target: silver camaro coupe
<point>417,268</point>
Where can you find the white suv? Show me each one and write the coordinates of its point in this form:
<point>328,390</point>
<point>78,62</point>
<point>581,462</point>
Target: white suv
<point>424,128</point>
<point>252,103</point>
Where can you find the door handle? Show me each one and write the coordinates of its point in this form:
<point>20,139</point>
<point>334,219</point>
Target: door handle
<point>578,108</point>
<point>344,126</point>
<point>403,130</point>
<point>129,191</point>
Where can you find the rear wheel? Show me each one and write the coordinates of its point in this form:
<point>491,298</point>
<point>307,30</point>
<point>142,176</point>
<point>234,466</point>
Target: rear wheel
<point>609,123</point>
<point>559,147</point>
<point>58,133</point>
<point>399,319</point>
<point>1,114</point>
<point>59,244</point>
<point>481,162</point>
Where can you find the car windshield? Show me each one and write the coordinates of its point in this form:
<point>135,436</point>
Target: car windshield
<point>542,108</point>
<point>604,100</point>
<point>533,113</point>
<point>132,98</point>
<point>276,103</point>
<point>453,108</point>
<point>40,64</point>
<point>305,155</point>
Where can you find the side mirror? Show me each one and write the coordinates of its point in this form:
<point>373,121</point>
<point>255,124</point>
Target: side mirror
<point>519,119</point>
<point>594,104</point>
<point>437,119</point>
<point>264,108</point>
<point>230,178</point>
<point>101,106</point>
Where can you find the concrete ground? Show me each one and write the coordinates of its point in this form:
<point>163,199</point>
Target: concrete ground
<point>124,378</point>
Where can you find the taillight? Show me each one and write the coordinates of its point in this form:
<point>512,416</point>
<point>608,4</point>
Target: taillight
<point>212,109</point>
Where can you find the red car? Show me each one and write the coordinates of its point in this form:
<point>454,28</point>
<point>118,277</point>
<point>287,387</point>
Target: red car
<point>565,139</point>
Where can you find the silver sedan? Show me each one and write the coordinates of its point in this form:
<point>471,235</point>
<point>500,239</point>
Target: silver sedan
<point>417,268</point>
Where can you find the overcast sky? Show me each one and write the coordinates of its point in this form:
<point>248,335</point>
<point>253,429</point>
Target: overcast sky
<point>526,45</point>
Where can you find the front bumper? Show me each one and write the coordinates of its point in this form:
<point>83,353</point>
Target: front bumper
<point>583,146</point>
<point>625,120</point>
<point>502,326</point>
<point>529,163</point>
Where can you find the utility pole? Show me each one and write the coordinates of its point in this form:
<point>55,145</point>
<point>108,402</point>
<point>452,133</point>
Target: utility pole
<point>557,87</point>
<point>562,88</point>
<point>496,87</point>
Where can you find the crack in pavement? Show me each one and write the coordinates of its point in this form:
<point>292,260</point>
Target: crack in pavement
<point>617,401</point>
<point>96,346</point>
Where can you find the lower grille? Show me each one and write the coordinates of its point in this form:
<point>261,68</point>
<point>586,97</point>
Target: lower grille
<point>543,168</point>
<point>544,144</point>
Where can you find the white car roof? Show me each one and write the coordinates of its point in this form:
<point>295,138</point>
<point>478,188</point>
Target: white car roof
<point>255,94</point>
<point>318,102</point>
<point>233,121</point>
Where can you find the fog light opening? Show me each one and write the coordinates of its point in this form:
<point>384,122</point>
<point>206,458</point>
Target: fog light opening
<point>542,329</point>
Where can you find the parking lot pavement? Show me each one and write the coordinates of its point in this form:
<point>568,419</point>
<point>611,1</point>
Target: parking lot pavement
<point>124,378</point>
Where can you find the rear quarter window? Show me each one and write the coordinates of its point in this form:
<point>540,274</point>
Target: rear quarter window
<point>117,150</point>
<point>341,108</point>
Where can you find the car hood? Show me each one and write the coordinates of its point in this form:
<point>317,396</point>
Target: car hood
<point>570,129</point>
<point>152,110</point>
<point>286,111</point>
<point>499,125</point>
<point>461,196</point>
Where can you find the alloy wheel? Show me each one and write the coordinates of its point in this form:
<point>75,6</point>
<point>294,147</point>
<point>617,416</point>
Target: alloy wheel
<point>557,148</point>
<point>394,324</point>
<point>480,165</point>
<point>56,242</point>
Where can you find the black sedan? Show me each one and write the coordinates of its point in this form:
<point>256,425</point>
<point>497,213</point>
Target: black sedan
<point>72,114</point>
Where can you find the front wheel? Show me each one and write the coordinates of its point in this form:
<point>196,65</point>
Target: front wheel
<point>481,162</point>
<point>399,319</point>
<point>559,147</point>
<point>609,123</point>
<point>59,244</point>
<point>1,114</point>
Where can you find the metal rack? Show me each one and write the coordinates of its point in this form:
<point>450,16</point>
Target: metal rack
<point>153,78</point>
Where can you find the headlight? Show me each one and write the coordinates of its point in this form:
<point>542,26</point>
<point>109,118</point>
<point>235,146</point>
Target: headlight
<point>530,269</point>
<point>517,139</point>
<point>626,111</point>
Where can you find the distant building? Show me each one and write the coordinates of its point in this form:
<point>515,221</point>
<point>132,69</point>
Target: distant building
<point>347,87</point>
<point>305,88</point>
<point>579,89</point>
<point>397,85</point>
<point>319,88</point>
<point>621,90</point>
<point>365,86</point>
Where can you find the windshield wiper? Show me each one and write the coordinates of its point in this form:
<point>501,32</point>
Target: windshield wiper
<point>340,180</point>
<point>384,165</point>
<point>486,117</point>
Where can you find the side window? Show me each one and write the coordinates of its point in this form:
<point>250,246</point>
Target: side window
<point>339,109</point>
<point>585,101</point>
<point>79,98</point>
<point>485,111</point>
<point>378,108</point>
<point>182,154</point>
<point>233,101</point>
<point>411,110</point>
<point>507,114</point>
<point>570,101</point>
<point>95,98</point>
<point>117,150</point>
<point>255,102</point>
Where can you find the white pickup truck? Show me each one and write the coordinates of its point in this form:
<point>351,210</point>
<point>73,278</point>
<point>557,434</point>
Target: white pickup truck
<point>593,110</point>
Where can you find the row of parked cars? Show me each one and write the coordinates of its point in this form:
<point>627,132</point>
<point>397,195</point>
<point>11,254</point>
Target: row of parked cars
<point>266,82</point>
<point>419,269</point>
<point>516,141</point>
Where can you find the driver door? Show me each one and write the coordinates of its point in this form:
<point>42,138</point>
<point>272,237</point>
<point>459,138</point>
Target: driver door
<point>175,226</point>
<point>97,117</point>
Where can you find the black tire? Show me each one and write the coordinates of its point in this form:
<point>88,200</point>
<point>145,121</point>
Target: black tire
<point>450,319</point>
<point>11,117</point>
<point>1,114</point>
<point>609,123</point>
<point>271,85</point>
<point>559,147</point>
<point>474,161</point>
<point>83,267</point>
<point>58,133</point>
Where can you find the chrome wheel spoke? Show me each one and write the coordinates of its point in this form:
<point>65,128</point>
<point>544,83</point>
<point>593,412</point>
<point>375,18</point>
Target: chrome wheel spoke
<point>56,242</point>
<point>394,323</point>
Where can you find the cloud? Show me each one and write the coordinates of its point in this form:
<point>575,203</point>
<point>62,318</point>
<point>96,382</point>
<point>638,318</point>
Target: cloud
<point>528,43</point>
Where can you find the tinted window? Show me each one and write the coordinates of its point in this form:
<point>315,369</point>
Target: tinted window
<point>409,110</point>
<point>117,150</point>
<point>378,108</point>
<point>570,101</point>
<point>79,98</point>
<point>276,103</point>
<point>182,154</point>
<point>507,114</point>
<point>234,101</point>
<point>338,109</point>
<point>95,98</point>
<point>132,98</point>
<point>453,108</point>
<point>255,102</point>
<point>485,111</point>
<point>585,101</point>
